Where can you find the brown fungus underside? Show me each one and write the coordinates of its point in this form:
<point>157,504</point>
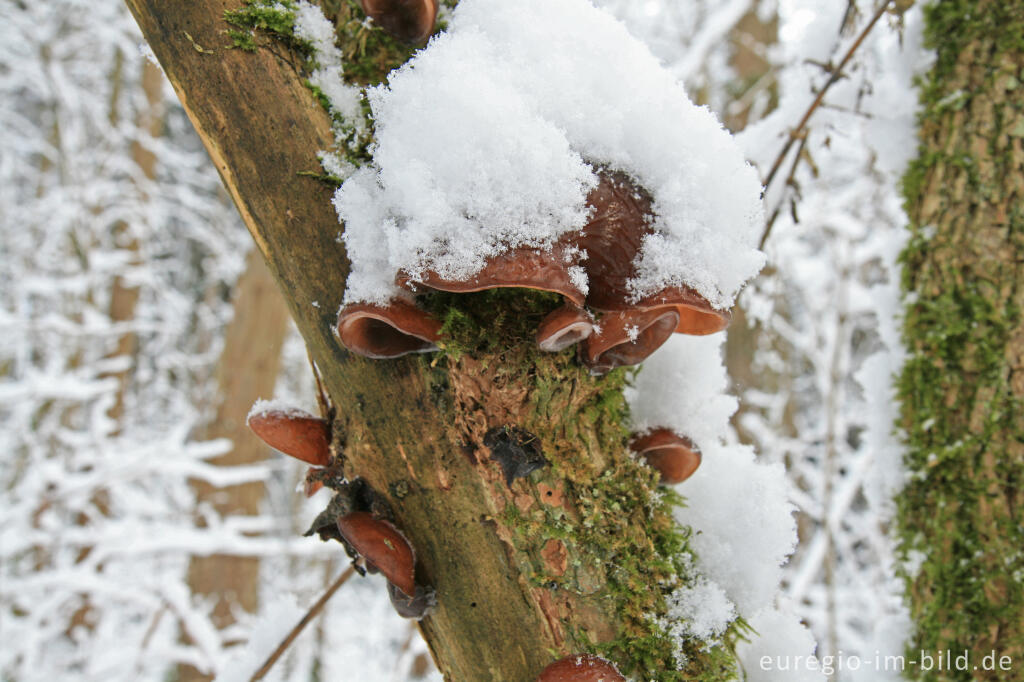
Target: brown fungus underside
<point>607,249</point>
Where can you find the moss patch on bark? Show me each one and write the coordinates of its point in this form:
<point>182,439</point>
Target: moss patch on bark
<point>962,388</point>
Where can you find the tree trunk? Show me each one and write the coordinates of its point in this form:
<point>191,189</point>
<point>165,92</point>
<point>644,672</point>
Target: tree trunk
<point>570,559</point>
<point>248,368</point>
<point>962,514</point>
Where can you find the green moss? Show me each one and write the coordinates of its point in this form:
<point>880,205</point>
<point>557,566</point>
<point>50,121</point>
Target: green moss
<point>959,517</point>
<point>370,54</point>
<point>276,19</point>
<point>622,525</point>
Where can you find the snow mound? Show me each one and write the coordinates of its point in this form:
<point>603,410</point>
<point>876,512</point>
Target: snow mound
<point>489,139</point>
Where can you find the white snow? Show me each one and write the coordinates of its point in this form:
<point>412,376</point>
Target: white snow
<point>263,407</point>
<point>701,610</point>
<point>737,506</point>
<point>488,139</point>
<point>683,386</point>
<point>740,511</point>
<point>312,26</point>
<point>782,650</point>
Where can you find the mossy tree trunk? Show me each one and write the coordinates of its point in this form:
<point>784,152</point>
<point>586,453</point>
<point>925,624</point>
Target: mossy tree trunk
<point>572,558</point>
<point>962,514</point>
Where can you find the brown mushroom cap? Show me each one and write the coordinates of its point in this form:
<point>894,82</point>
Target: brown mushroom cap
<point>696,314</point>
<point>410,21</point>
<point>620,219</point>
<point>612,240</point>
<point>612,347</point>
<point>581,668</point>
<point>529,268</point>
<point>295,433</point>
<point>381,332</point>
<point>383,546</point>
<point>563,327</point>
<point>674,456</point>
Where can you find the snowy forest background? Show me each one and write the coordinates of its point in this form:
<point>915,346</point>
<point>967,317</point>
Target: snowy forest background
<point>120,267</point>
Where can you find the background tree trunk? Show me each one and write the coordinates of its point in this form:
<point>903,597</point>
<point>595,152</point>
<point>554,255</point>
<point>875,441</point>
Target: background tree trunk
<point>248,368</point>
<point>572,559</point>
<point>962,514</point>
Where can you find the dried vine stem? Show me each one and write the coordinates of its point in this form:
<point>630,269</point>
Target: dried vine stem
<point>790,179</point>
<point>313,612</point>
<point>798,132</point>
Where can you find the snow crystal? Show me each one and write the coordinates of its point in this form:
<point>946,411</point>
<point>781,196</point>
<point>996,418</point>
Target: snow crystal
<point>335,164</point>
<point>701,610</point>
<point>489,138</point>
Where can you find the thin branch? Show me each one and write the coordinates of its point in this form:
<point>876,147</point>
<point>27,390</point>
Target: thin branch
<point>797,133</point>
<point>313,612</point>
<point>789,180</point>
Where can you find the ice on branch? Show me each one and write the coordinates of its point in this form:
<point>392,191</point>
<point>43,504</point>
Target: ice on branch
<point>491,139</point>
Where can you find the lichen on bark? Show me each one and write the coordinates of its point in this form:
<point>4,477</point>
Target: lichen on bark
<point>961,516</point>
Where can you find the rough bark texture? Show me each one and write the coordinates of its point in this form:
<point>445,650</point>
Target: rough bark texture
<point>962,515</point>
<point>570,559</point>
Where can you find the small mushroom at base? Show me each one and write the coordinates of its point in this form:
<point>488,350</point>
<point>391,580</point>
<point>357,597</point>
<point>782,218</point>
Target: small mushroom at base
<point>383,547</point>
<point>295,433</point>
<point>563,327</point>
<point>409,21</point>
<point>383,332</point>
<point>674,456</point>
<point>581,668</point>
<point>416,607</point>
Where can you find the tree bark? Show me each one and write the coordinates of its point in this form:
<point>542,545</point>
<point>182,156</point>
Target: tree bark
<point>571,559</point>
<point>962,514</point>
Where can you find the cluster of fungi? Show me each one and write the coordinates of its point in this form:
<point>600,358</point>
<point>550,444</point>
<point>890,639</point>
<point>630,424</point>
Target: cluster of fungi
<point>606,249</point>
<point>626,331</point>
